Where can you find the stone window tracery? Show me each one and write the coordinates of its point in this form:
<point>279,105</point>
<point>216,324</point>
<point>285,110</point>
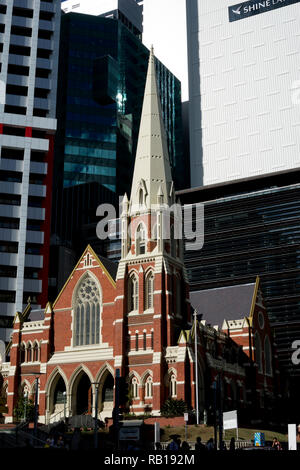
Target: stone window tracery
<point>87,313</point>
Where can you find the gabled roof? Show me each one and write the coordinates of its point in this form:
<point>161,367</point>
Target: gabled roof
<point>225,303</point>
<point>107,266</point>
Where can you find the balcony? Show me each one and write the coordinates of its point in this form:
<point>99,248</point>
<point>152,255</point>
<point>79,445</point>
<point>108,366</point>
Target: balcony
<point>33,261</point>
<point>11,165</point>
<point>34,237</point>
<point>9,259</point>
<point>19,80</point>
<point>35,213</point>
<point>38,168</point>
<point>16,59</point>
<point>8,283</point>
<point>33,285</point>
<point>9,235</point>
<point>10,188</point>
<point>21,21</point>
<point>37,190</point>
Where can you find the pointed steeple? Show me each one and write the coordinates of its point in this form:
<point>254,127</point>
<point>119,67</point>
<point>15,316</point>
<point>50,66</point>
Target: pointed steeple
<point>152,171</point>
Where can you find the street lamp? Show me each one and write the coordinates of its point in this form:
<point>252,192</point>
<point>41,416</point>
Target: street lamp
<point>37,374</point>
<point>196,367</point>
<point>25,404</point>
<point>65,399</point>
<point>96,415</point>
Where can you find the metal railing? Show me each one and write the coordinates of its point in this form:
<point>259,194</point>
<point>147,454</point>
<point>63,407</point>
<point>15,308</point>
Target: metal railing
<point>238,444</point>
<point>54,418</point>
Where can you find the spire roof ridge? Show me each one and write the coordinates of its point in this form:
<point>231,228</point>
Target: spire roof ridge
<point>152,171</point>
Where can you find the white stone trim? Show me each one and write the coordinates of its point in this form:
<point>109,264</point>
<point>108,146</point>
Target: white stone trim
<point>86,355</point>
<point>118,361</point>
<point>119,297</point>
<point>140,352</point>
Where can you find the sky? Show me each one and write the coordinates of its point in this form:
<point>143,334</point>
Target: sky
<point>165,28</point>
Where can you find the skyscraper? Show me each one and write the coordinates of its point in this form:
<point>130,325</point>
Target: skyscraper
<point>243,86</point>
<point>129,12</point>
<point>102,74</point>
<point>29,62</point>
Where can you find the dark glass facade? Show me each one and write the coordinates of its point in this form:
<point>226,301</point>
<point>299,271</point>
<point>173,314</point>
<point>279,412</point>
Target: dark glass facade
<point>252,228</point>
<point>102,77</point>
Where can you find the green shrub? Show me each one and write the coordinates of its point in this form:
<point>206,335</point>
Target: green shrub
<point>24,406</point>
<point>172,408</point>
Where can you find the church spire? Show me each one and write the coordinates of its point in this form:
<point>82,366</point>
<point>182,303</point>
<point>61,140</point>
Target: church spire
<point>152,171</point>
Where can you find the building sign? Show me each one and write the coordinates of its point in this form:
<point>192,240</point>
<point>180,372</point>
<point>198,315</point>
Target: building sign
<point>255,7</point>
<point>129,433</point>
<point>230,420</point>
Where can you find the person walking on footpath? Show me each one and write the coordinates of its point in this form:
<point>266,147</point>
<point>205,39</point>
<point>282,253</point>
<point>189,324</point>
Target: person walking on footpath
<point>276,444</point>
<point>199,447</point>
<point>232,444</point>
<point>210,444</point>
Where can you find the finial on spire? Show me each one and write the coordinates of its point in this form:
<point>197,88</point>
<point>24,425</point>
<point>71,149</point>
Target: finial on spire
<point>160,195</point>
<point>152,49</point>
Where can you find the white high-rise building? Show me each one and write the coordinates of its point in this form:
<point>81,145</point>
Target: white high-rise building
<point>130,12</point>
<point>244,88</point>
<point>29,38</point>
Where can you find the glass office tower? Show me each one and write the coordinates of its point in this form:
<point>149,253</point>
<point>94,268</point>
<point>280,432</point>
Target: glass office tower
<point>102,77</point>
<point>251,229</point>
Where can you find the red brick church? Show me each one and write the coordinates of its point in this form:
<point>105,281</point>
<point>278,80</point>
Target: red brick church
<point>137,317</point>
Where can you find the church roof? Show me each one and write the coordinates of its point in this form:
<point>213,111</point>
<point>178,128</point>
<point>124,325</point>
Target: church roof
<point>224,303</point>
<point>110,266</point>
<point>152,171</point>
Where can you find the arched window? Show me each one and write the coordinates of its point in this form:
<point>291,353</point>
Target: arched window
<point>29,353</point>
<point>134,388</point>
<point>35,352</point>
<point>173,386</point>
<point>258,357</point>
<point>268,356</point>
<point>22,353</point>
<point>87,313</point>
<point>140,240</point>
<point>136,341</point>
<point>149,290</point>
<point>154,232</point>
<point>141,197</point>
<point>149,387</point>
<point>133,293</point>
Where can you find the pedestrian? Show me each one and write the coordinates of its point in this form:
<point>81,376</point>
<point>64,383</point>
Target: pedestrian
<point>223,446</point>
<point>232,444</point>
<point>47,444</point>
<point>173,445</point>
<point>60,442</point>
<point>210,444</point>
<point>185,447</point>
<point>276,444</point>
<point>199,447</point>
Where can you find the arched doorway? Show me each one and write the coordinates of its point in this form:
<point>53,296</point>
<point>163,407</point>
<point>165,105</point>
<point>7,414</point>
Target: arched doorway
<point>106,396</point>
<point>83,395</point>
<point>59,398</point>
<point>108,389</point>
<point>56,397</point>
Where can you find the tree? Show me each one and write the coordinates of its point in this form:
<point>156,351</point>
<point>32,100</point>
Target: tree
<point>23,404</point>
<point>3,405</point>
<point>173,408</point>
